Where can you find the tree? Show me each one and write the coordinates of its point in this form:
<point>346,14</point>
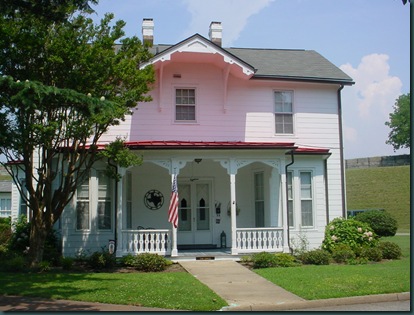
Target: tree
<point>400,123</point>
<point>64,83</point>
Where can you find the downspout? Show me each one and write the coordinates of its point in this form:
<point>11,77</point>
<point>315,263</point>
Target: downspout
<point>116,204</point>
<point>341,151</point>
<point>326,190</point>
<point>292,157</point>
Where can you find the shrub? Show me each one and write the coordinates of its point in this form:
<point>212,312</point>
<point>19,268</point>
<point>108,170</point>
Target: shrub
<point>44,266</point>
<point>151,262</point>
<point>316,257</point>
<point>285,260</point>
<point>390,250</point>
<point>15,263</point>
<point>66,262</point>
<point>349,232</point>
<point>264,260</point>
<point>5,230</point>
<point>101,260</point>
<point>19,240</point>
<point>129,260</point>
<point>381,222</point>
<point>342,252</point>
<point>371,253</point>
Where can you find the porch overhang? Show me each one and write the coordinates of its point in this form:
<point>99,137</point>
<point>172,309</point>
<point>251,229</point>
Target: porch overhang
<point>225,145</point>
<point>209,145</point>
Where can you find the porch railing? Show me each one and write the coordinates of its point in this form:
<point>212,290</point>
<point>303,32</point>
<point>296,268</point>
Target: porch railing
<point>146,241</point>
<point>251,240</point>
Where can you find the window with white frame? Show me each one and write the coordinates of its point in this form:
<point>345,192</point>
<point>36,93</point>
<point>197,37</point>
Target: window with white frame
<point>289,179</point>
<point>185,105</point>
<point>5,207</point>
<point>104,201</point>
<point>283,112</point>
<point>306,200</point>
<point>82,206</point>
<point>259,199</point>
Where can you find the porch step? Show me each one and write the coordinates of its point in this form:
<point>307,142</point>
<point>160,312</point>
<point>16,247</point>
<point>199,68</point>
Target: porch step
<point>196,246</point>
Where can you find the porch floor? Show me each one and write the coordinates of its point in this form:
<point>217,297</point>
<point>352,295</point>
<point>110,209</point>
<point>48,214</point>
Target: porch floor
<point>205,254</point>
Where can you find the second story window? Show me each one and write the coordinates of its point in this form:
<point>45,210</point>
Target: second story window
<point>284,112</point>
<point>185,105</point>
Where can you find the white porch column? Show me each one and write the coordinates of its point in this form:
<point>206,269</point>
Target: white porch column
<point>233,213</point>
<point>119,207</point>
<point>284,210</point>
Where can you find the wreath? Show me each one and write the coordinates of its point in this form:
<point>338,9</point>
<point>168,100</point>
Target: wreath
<point>229,209</point>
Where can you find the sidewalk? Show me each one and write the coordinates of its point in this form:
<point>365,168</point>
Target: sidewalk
<point>243,290</point>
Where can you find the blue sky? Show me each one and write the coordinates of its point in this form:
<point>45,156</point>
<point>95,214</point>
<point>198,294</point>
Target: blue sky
<point>367,39</point>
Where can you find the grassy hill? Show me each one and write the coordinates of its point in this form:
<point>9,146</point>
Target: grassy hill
<point>381,187</point>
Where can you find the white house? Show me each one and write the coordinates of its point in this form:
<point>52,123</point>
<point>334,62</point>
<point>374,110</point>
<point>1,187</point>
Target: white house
<point>254,137</point>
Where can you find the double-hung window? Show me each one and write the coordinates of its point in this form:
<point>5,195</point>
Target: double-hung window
<point>5,207</point>
<point>185,105</point>
<point>283,112</point>
<point>82,206</point>
<point>104,201</point>
<point>306,199</point>
<point>289,178</point>
<point>259,199</point>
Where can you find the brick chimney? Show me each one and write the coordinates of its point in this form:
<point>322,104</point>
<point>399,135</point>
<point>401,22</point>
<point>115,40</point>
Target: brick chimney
<point>148,31</point>
<point>215,33</point>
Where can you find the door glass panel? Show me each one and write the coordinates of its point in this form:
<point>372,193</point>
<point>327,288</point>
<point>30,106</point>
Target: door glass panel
<point>203,209</point>
<point>184,210</point>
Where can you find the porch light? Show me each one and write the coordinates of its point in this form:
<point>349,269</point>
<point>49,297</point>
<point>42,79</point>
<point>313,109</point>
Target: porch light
<point>111,246</point>
<point>223,240</point>
<point>198,160</point>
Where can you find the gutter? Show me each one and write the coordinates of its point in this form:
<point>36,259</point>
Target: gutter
<point>341,151</point>
<point>287,198</point>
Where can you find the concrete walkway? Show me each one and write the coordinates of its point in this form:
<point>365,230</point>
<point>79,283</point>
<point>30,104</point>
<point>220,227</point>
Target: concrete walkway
<point>238,286</point>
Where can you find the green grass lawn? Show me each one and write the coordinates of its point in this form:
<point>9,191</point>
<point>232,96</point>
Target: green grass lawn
<point>170,290</point>
<point>180,290</point>
<point>381,187</point>
<point>334,281</point>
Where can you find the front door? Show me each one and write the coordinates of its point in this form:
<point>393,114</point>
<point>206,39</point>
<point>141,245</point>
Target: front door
<point>194,213</point>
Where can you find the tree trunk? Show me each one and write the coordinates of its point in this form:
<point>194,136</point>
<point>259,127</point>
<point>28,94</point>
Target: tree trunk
<point>38,234</point>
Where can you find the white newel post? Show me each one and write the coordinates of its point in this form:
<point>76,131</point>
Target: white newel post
<point>119,216</point>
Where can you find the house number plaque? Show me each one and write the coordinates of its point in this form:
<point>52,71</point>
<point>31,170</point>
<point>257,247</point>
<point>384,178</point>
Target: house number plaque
<point>153,199</point>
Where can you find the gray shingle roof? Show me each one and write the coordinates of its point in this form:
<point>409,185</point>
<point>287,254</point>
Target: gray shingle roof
<point>5,186</point>
<point>285,64</point>
<point>290,64</point>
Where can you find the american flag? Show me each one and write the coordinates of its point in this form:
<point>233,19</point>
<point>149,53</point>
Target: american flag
<point>173,209</point>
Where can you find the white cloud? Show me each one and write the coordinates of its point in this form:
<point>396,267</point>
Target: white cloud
<point>350,134</point>
<point>366,106</point>
<point>232,13</point>
<point>374,89</point>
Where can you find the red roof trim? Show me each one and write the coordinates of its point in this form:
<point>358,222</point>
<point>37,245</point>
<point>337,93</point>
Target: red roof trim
<point>302,150</point>
<point>150,144</point>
